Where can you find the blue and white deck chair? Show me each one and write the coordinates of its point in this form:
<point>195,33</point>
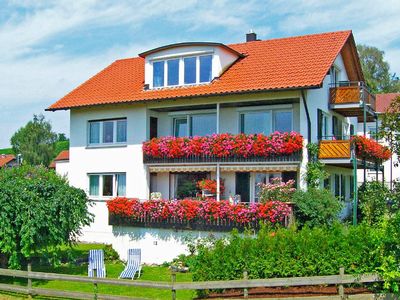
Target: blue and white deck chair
<point>96,263</point>
<point>133,264</point>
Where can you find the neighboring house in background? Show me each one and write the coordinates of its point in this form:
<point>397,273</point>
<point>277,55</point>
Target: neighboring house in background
<point>303,84</point>
<point>8,161</point>
<point>61,163</point>
<point>391,171</point>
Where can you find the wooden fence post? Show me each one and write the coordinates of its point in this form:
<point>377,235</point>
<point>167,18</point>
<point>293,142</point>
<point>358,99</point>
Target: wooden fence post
<point>29,268</point>
<point>173,279</point>
<point>341,288</point>
<point>245,291</point>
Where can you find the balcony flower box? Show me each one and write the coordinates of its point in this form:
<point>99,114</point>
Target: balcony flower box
<point>224,147</point>
<point>189,214</point>
<point>370,149</point>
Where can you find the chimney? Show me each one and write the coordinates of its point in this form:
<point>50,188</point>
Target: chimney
<point>251,36</point>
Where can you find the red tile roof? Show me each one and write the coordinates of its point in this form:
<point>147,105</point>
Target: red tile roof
<point>286,63</point>
<point>63,155</point>
<point>5,159</point>
<point>383,101</point>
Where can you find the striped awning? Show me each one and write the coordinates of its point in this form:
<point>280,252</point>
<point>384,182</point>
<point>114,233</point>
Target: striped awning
<point>259,168</point>
<point>225,168</point>
<point>194,168</point>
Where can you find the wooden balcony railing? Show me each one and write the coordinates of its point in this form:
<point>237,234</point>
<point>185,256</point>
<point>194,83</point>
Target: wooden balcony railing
<point>335,149</point>
<point>352,93</point>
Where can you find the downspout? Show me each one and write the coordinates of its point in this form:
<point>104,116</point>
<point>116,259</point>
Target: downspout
<point>308,116</point>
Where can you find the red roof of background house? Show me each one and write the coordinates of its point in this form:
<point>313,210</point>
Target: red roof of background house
<point>5,159</point>
<point>285,63</point>
<point>63,155</point>
<point>383,101</point>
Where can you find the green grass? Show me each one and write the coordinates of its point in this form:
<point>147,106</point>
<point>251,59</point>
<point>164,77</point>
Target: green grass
<point>113,269</point>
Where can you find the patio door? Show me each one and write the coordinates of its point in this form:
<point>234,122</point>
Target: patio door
<point>243,186</point>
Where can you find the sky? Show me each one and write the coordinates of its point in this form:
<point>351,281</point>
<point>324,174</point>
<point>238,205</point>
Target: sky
<point>49,47</point>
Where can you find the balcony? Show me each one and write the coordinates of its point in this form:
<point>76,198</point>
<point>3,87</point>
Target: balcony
<point>348,99</point>
<point>224,148</point>
<point>339,152</point>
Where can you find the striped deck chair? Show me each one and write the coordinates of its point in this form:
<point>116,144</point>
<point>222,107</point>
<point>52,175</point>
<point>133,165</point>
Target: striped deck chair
<point>96,262</point>
<point>133,264</point>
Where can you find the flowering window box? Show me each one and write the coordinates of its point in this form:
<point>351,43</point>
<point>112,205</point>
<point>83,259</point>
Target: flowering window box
<point>224,148</point>
<point>188,214</point>
<point>370,149</point>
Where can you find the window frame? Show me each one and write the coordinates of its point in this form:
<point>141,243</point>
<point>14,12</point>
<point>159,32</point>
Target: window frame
<point>101,142</point>
<point>271,111</point>
<point>181,69</point>
<point>188,116</point>
<point>101,185</point>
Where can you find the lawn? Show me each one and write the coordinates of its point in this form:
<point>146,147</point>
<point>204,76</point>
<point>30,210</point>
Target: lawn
<point>113,269</point>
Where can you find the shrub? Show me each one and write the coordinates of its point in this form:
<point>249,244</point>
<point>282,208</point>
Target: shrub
<point>373,198</point>
<point>277,190</point>
<point>316,207</point>
<point>285,252</point>
<point>40,213</point>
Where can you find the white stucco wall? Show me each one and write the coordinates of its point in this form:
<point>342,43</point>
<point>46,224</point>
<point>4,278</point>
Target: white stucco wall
<point>62,168</point>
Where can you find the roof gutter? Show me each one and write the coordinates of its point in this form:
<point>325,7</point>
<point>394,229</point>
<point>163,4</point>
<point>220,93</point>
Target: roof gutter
<point>307,115</point>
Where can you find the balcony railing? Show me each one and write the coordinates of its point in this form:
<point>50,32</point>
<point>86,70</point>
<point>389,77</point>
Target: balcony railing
<point>349,92</point>
<point>218,225</point>
<point>294,157</point>
<point>335,149</point>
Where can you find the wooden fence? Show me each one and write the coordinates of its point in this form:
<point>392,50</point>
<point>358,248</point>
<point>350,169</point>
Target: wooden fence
<point>174,286</point>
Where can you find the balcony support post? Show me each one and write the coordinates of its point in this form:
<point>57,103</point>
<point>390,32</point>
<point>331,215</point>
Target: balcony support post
<point>218,109</point>
<point>355,188</point>
<point>218,182</point>
<point>376,139</point>
<point>365,129</point>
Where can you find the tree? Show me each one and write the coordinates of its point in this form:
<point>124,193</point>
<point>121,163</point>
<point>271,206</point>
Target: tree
<point>40,212</point>
<point>377,71</point>
<point>35,141</point>
<point>390,126</point>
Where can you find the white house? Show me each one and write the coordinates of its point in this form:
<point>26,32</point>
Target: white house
<point>390,171</point>
<point>303,84</point>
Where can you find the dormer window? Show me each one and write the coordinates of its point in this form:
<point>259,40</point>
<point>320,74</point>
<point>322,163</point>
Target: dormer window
<point>186,64</point>
<point>182,71</point>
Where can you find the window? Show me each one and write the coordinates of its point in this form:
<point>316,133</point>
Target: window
<point>107,185</point>
<point>372,132</point>
<point>322,125</point>
<point>266,121</point>
<point>173,71</point>
<point>185,184</point>
<point>340,186</point>
<point>205,68</point>
<point>256,122</point>
<point>107,132</point>
<point>283,121</point>
<point>202,125</point>
<point>180,127</point>
<point>262,178</point>
<point>158,73</point>
<point>337,129</point>
<point>195,70</point>
<point>195,125</point>
<point>94,132</point>
<point>190,70</point>
<point>334,72</point>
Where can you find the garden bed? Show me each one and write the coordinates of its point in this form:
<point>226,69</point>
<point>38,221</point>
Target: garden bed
<point>292,292</point>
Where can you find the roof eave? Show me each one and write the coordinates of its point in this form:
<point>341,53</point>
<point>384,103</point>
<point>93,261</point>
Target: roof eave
<point>316,86</point>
